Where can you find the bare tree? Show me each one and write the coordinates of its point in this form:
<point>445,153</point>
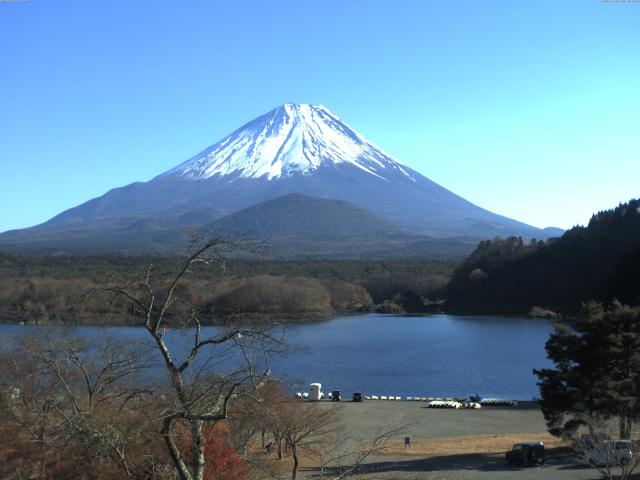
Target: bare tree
<point>614,459</point>
<point>72,403</point>
<point>200,389</point>
<point>307,425</point>
<point>346,456</point>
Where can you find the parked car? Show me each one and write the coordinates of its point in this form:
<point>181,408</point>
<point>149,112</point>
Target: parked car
<point>609,452</point>
<point>526,454</point>
<point>357,397</point>
<point>588,441</point>
<point>336,396</point>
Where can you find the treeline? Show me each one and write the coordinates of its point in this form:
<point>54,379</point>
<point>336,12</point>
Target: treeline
<point>600,261</point>
<point>53,289</point>
<point>96,267</point>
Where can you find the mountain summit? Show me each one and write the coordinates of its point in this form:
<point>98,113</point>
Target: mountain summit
<point>293,149</point>
<point>291,139</point>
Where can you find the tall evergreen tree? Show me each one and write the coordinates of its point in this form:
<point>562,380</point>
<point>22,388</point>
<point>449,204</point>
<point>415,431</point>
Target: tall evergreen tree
<point>597,374</point>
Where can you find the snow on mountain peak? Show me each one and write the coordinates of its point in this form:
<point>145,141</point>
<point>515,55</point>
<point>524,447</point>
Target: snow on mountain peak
<point>291,139</point>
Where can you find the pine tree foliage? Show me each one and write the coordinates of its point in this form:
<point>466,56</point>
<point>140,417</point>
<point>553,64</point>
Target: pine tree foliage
<point>597,370</point>
<point>599,261</point>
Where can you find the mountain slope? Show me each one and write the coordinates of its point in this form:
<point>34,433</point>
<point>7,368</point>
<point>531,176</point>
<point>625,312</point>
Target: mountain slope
<point>293,226</point>
<point>292,149</point>
<point>300,217</point>
<point>299,226</point>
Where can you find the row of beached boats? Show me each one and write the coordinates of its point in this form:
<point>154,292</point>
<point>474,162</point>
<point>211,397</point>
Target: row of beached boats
<point>432,402</point>
<point>452,404</point>
<point>437,402</point>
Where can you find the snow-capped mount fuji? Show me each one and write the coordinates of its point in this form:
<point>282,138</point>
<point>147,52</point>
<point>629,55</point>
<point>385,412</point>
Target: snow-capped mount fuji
<point>291,139</point>
<point>293,149</point>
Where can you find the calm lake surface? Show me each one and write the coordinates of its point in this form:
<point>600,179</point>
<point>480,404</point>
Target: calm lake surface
<point>436,355</point>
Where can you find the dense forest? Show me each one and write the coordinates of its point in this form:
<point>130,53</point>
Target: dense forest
<point>53,288</point>
<point>600,261</point>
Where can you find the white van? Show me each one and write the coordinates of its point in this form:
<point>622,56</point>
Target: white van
<point>609,453</point>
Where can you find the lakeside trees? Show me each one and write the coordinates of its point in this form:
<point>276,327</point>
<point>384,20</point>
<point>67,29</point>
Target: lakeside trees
<point>48,289</point>
<point>593,262</point>
<point>596,381</point>
<point>597,372</point>
<point>69,404</point>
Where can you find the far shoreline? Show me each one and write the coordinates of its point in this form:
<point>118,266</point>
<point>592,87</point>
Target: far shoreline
<point>274,319</point>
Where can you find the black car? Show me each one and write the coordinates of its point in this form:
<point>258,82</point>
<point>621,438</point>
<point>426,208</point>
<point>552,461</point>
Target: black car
<point>336,396</point>
<point>526,454</point>
<point>357,397</point>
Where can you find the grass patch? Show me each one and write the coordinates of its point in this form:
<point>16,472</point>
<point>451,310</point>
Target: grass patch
<point>468,444</point>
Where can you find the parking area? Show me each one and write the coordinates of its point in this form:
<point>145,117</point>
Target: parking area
<point>449,444</point>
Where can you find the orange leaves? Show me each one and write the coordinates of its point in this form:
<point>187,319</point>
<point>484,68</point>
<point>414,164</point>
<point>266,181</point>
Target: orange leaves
<point>221,460</point>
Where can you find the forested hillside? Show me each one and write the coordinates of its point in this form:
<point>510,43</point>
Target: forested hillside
<point>52,288</point>
<point>600,261</point>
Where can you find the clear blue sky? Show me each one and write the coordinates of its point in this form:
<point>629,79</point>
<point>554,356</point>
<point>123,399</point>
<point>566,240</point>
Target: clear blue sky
<point>530,109</point>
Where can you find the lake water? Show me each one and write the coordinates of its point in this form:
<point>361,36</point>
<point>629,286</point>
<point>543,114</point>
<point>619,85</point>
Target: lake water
<point>436,355</point>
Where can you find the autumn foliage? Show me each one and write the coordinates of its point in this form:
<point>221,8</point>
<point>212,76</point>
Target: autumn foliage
<point>222,461</point>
